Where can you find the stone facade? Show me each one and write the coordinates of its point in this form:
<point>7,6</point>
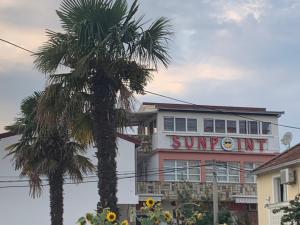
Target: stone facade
<point>169,190</point>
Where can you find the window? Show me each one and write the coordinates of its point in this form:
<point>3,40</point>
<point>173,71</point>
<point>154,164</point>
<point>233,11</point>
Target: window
<point>253,127</point>
<point>227,172</point>
<point>220,126</point>
<point>231,126</point>
<point>169,123</point>
<point>208,125</point>
<point>280,191</point>
<point>266,128</point>
<point>243,126</point>
<point>180,124</point>
<point>181,170</point>
<point>192,125</point>
<point>248,167</point>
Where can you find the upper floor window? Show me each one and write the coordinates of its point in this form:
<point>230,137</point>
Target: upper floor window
<point>180,124</point>
<point>280,190</point>
<point>266,128</point>
<point>208,125</point>
<point>231,126</point>
<point>253,127</point>
<point>243,127</point>
<point>169,123</point>
<point>181,170</point>
<point>220,126</point>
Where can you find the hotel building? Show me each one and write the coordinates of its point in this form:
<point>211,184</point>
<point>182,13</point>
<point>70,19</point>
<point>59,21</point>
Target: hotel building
<point>186,143</point>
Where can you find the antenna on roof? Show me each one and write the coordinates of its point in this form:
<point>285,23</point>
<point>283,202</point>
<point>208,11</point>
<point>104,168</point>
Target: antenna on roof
<point>287,139</point>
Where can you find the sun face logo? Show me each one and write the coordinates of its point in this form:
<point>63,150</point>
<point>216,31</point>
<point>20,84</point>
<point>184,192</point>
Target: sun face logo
<point>227,143</point>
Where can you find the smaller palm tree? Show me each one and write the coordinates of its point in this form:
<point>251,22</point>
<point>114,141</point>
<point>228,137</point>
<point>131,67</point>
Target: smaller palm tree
<point>50,153</point>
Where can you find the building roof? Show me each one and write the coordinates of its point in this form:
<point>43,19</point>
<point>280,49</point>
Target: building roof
<point>126,137</point>
<point>287,158</point>
<point>211,109</point>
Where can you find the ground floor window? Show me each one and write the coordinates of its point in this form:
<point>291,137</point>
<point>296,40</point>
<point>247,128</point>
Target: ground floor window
<point>280,191</point>
<point>227,172</point>
<point>181,170</point>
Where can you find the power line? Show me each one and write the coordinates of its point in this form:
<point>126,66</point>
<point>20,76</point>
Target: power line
<point>176,99</point>
<point>217,110</point>
<point>18,46</point>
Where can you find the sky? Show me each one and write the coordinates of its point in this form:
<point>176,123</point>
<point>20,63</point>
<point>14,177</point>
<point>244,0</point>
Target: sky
<point>224,52</point>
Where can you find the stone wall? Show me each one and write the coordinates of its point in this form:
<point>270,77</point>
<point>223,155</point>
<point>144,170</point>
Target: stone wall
<point>169,190</point>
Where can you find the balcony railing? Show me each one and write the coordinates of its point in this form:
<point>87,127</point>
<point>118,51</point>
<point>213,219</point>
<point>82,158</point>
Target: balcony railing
<point>169,190</point>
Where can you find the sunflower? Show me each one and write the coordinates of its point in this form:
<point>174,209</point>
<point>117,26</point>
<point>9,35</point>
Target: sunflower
<point>199,216</point>
<point>168,216</point>
<point>150,202</point>
<point>124,222</point>
<point>111,216</point>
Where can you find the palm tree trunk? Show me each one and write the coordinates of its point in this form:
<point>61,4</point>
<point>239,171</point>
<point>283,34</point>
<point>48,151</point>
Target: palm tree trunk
<point>56,183</point>
<point>104,132</point>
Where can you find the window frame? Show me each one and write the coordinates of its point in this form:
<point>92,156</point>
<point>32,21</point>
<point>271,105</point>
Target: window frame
<point>277,192</point>
<point>248,170</point>
<point>236,127</point>
<point>169,117</point>
<point>270,124</point>
<point>226,170</point>
<point>213,125</point>
<point>186,170</point>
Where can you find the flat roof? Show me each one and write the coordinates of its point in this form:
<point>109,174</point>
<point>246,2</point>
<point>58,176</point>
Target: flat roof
<point>212,109</point>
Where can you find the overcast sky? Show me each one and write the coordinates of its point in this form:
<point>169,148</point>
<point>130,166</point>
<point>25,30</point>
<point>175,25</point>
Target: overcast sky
<point>241,53</point>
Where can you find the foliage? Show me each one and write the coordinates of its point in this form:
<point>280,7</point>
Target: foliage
<point>291,212</point>
<point>198,212</point>
<point>153,211</point>
<point>110,54</point>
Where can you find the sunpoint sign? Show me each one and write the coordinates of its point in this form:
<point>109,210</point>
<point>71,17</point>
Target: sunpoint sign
<point>214,143</point>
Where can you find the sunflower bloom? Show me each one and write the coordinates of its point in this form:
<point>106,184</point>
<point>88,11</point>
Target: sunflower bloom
<point>199,216</point>
<point>124,222</point>
<point>168,216</point>
<point>150,202</point>
<point>111,216</point>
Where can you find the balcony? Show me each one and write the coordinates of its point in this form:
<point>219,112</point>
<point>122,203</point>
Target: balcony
<point>169,190</point>
<point>146,143</point>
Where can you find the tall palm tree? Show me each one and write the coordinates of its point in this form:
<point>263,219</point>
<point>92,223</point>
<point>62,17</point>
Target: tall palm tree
<point>109,55</point>
<point>46,153</point>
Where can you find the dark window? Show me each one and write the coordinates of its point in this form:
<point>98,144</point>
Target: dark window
<point>192,124</point>
<point>231,126</point>
<point>208,125</point>
<point>243,126</point>
<point>220,126</point>
<point>266,128</point>
<point>180,124</point>
<point>253,127</point>
<point>169,123</point>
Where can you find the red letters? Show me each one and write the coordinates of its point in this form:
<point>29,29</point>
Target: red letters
<point>249,144</point>
<point>176,143</point>
<point>213,142</point>
<point>202,142</point>
<point>261,144</point>
<point>187,144</point>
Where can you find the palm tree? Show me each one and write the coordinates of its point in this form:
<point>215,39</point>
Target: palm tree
<point>46,153</point>
<point>110,55</point>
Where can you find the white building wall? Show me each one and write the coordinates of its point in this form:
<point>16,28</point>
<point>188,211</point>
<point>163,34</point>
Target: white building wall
<point>164,141</point>
<point>16,207</point>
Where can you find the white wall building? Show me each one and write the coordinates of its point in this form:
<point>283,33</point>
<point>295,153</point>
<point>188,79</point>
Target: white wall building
<point>16,207</point>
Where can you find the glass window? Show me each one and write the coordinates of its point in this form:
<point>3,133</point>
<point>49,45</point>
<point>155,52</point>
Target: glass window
<point>231,126</point>
<point>169,123</point>
<point>243,127</point>
<point>266,128</point>
<point>181,170</point>
<point>280,190</point>
<point>227,172</point>
<point>253,127</point>
<point>192,125</point>
<point>208,125</point>
<point>220,126</point>
<point>180,124</point>
<point>248,167</point>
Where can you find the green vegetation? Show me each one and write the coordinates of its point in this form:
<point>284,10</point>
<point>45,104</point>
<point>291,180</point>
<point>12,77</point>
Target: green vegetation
<point>109,54</point>
<point>46,153</point>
